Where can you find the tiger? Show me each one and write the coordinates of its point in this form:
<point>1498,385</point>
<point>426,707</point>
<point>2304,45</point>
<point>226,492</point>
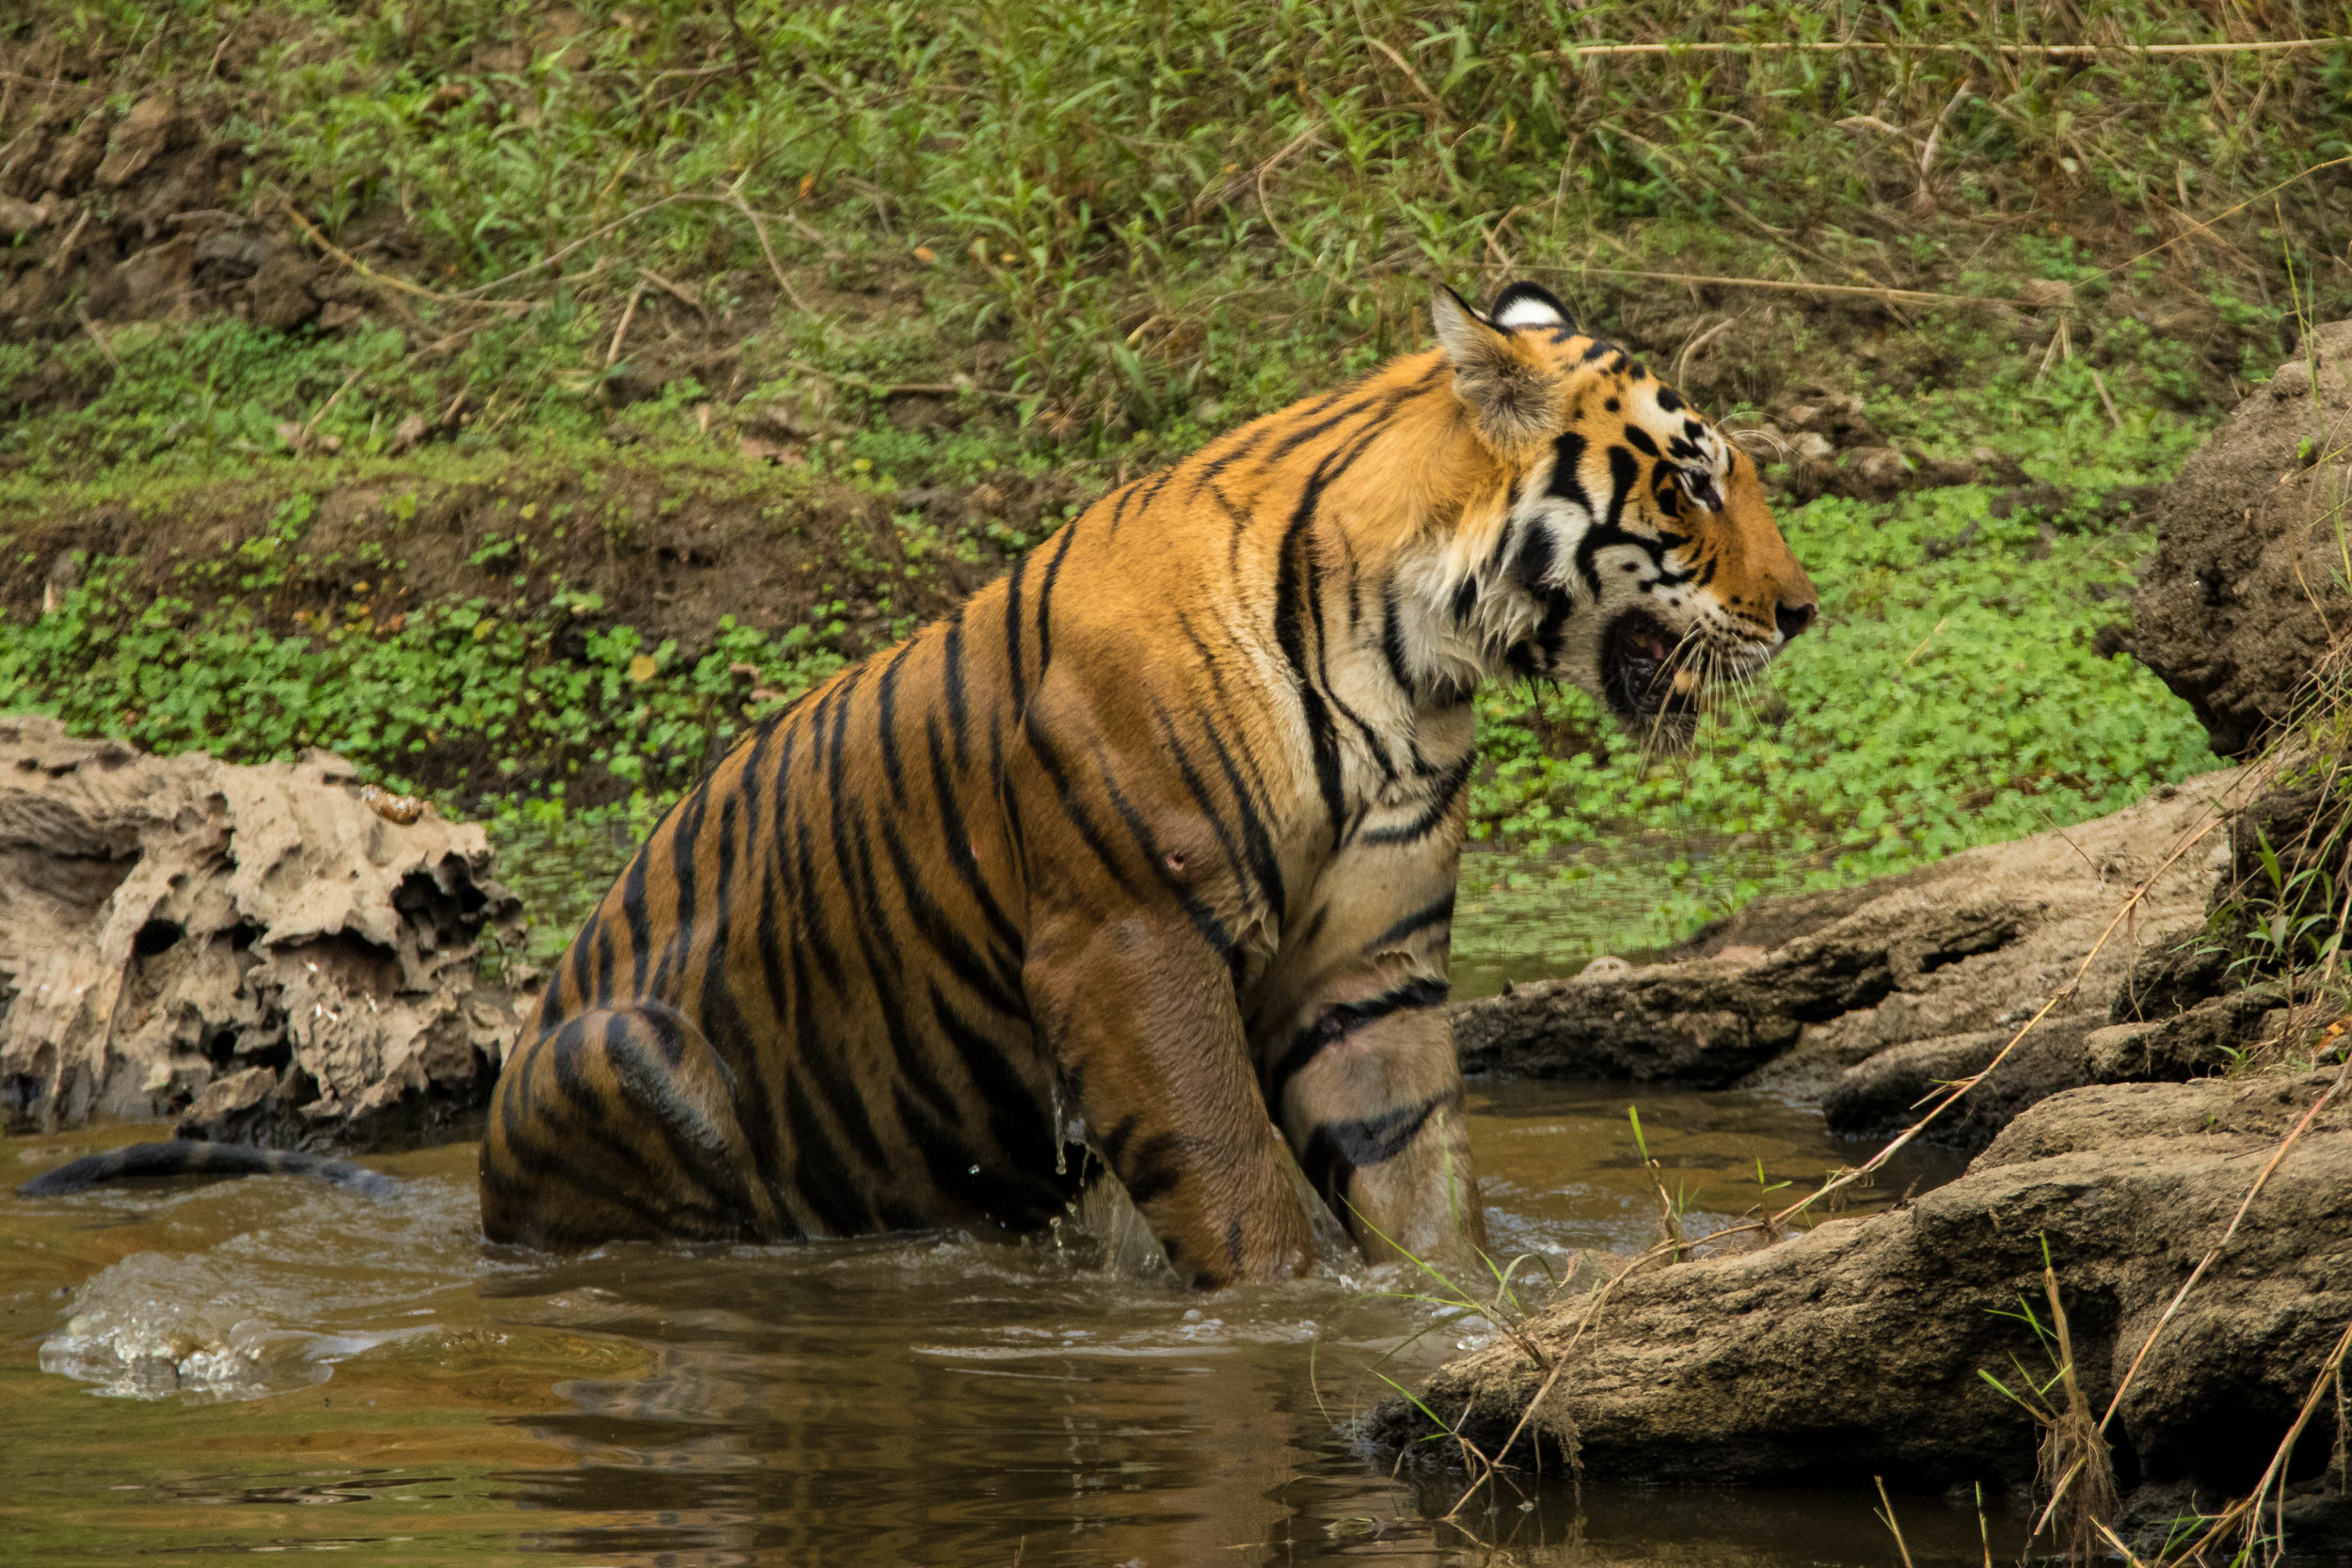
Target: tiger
<point>1143,861</point>
<point>1141,864</point>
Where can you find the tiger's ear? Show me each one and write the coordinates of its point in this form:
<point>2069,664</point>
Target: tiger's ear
<point>1502,379</point>
<point>1529,304</point>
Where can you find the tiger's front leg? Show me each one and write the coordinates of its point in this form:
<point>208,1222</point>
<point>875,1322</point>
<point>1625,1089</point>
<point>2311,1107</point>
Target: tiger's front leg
<point>1359,1059</point>
<point>1142,1019</point>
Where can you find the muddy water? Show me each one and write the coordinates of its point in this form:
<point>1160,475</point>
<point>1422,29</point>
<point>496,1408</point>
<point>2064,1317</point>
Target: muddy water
<point>269,1366</point>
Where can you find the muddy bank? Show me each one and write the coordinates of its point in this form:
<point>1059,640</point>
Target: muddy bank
<point>1853,1349</point>
<point>1866,997</point>
<point>268,954</point>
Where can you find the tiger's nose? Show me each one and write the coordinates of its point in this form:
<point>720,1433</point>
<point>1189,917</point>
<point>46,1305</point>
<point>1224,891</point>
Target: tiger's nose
<point>1792,618</point>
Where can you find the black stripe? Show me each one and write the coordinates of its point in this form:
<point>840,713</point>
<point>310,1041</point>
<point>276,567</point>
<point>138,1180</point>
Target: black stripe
<point>886,721</point>
<point>964,855</point>
<point>1022,1127</point>
<point>951,681</point>
<point>640,924</point>
<point>685,835</point>
<point>809,913</point>
<point>650,1079</point>
<point>820,1176</point>
<point>536,1166</point>
<point>1157,485</point>
<point>1371,736</point>
<point>1266,866</point>
<point>1156,1170</point>
<point>1014,674</point>
<point>1437,914</point>
<point>1567,478</point>
<point>1341,1020</point>
<point>1072,809</point>
<point>594,1116</point>
<point>1392,640</point>
<point>1293,588</point>
<point>1624,469</point>
<point>1197,787</point>
<point>1441,805</point>
<point>1203,919</point>
<point>1045,602</point>
<point>1534,561</point>
<point>1299,437</point>
<point>721,1016</point>
<point>886,966</point>
<point>946,938</point>
<point>835,1082</point>
<point>1126,495</point>
<point>1245,444</point>
<point>1337,1150</point>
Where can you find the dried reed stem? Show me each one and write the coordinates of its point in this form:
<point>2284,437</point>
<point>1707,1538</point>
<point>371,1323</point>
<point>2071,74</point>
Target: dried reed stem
<point>2020,50</point>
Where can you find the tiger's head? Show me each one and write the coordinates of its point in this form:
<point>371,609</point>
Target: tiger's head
<point>1630,550</point>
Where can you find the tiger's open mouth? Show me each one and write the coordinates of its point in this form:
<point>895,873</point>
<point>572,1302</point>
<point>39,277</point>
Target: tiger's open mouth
<point>1642,675</point>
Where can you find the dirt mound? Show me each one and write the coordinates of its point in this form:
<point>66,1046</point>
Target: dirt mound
<point>117,219</point>
<point>1853,1350</point>
<point>270,953</point>
<point>1869,997</point>
<point>2247,581</point>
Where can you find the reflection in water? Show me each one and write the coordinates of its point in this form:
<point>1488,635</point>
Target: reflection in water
<point>908,1400</point>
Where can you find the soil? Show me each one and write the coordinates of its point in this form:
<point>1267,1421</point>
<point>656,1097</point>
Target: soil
<point>2246,588</point>
<point>271,954</point>
<point>1855,1349</point>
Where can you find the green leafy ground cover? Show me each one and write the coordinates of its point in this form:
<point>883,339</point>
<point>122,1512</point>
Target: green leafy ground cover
<point>1008,254</point>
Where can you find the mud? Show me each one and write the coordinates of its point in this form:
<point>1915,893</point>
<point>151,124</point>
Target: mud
<point>266,954</point>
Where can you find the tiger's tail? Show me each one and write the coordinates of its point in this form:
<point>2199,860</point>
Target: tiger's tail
<point>190,1157</point>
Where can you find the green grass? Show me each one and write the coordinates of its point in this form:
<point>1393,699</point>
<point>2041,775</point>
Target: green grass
<point>1124,228</point>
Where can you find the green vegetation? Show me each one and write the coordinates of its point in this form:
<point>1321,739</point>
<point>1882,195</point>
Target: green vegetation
<point>968,265</point>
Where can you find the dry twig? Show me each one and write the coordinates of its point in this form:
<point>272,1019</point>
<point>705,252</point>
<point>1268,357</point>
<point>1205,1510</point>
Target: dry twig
<point>1858,46</point>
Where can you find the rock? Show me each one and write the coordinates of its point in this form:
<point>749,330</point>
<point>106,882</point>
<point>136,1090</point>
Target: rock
<point>1868,995</point>
<point>225,257</point>
<point>21,217</point>
<point>2207,1039</point>
<point>1882,1095</point>
<point>1840,418</point>
<point>153,127</point>
<point>2234,612</point>
<point>157,279</point>
<point>77,156</point>
<point>281,292</point>
<point>1876,473</point>
<point>252,948</point>
<point>1853,1349</point>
